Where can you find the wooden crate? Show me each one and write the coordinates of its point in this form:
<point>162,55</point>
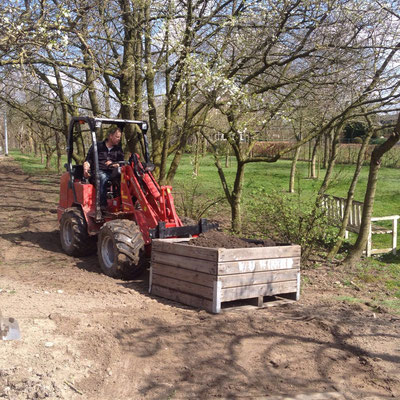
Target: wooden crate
<point>205,277</point>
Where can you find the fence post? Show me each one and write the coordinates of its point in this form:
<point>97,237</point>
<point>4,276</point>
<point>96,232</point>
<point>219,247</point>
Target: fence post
<point>394,236</point>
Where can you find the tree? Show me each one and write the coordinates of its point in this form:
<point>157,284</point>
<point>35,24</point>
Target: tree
<point>250,81</point>
<point>350,193</point>
<point>376,157</point>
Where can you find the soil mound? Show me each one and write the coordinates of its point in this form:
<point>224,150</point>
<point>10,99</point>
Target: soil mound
<point>216,239</point>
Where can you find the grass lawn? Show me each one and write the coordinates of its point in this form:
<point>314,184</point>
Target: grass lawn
<point>32,165</point>
<point>263,177</point>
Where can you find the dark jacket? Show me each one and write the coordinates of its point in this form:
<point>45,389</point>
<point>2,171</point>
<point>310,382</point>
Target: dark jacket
<point>115,154</point>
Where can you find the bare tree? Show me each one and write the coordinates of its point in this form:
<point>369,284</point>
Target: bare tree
<point>376,157</point>
<point>252,81</point>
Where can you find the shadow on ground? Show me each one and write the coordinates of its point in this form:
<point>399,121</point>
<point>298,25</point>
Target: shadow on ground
<point>248,355</point>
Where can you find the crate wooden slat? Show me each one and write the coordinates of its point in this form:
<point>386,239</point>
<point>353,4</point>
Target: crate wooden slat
<point>182,261</point>
<point>182,286</point>
<point>258,253</point>
<point>272,264</point>
<point>248,292</point>
<point>171,246</point>
<point>184,298</point>
<point>257,278</point>
<point>182,274</point>
<point>206,277</point>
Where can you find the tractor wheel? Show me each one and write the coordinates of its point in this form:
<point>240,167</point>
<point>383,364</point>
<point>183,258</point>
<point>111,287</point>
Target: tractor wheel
<point>120,248</point>
<point>75,239</point>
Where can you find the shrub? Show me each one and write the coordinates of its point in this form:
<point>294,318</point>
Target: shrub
<point>293,219</point>
<point>192,203</point>
<point>357,140</point>
<point>269,149</point>
<point>353,130</point>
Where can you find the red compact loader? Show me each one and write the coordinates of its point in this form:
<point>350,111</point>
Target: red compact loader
<point>139,210</point>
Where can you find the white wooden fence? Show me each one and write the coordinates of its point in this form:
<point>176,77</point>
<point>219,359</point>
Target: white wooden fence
<point>335,206</point>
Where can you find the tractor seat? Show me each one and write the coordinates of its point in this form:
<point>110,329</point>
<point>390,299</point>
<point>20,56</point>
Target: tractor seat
<point>77,172</point>
<point>115,175</point>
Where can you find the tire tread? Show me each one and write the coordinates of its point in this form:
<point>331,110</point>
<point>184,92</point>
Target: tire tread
<point>129,244</point>
<point>82,243</point>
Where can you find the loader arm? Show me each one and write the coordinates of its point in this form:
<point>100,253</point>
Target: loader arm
<point>149,202</point>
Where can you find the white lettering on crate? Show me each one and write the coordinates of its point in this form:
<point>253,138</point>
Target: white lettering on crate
<point>265,265</point>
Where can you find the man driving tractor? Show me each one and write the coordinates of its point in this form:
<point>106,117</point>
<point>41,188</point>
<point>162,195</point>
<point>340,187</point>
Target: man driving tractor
<point>109,152</point>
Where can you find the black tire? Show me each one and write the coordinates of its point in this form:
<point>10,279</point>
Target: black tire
<point>120,248</point>
<point>74,237</point>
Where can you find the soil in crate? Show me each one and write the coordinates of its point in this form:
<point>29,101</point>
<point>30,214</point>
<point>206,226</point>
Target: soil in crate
<point>216,239</point>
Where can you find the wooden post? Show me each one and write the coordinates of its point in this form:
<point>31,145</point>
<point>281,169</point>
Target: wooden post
<point>394,236</point>
<point>369,241</point>
<point>342,206</point>
<point>216,306</point>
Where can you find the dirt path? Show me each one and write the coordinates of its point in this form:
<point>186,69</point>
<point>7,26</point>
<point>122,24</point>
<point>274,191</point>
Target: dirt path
<point>87,336</point>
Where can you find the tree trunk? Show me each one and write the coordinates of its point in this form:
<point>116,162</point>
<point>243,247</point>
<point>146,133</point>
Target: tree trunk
<point>127,76</point>
<point>156,134</point>
<point>327,146</point>
<point>331,164</point>
<point>63,102</point>
<point>227,157</point>
<point>49,153</point>
<point>21,140</point>
<point>167,105</point>
<point>166,141</point>
<point>178,155</point>
<point>31,144</point>
<point>58,151</point>
<point>324,185</point>
<point>138,104</point>
<point>313,174</point>
<point>350,195</point>
<point>293,169</point>
<point>376,156</point>
<point>90,82</point>
<point>107,105</point>
<point>236,198</point>
<point>35,147</point>
<point>197,155</point>
<point>204,147</point>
